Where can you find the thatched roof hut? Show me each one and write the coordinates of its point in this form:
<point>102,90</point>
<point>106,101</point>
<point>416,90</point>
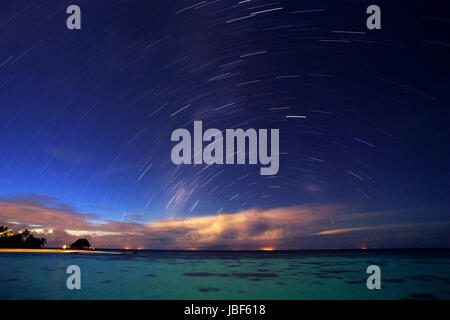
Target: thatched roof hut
<point>81,244</point>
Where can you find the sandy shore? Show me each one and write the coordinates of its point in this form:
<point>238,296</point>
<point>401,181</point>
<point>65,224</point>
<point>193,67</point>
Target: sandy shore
<point>57,251</point>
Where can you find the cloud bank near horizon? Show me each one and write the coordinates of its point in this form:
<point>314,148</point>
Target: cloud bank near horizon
<point>300,227</point>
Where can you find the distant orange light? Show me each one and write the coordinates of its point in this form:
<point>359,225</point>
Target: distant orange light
<point>127,248</point>
<point>193,249</point>
<point>268,249</point>
<point>363,248</point>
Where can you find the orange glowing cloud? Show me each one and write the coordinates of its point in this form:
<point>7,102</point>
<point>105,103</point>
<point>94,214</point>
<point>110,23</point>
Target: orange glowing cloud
<point>300,227</point>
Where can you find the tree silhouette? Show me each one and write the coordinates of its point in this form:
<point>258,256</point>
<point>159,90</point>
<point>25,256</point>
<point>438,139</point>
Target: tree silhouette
<point>5,231</point>
<point>23,239</point>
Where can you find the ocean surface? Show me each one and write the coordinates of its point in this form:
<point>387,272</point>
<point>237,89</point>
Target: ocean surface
<point>405,274</point>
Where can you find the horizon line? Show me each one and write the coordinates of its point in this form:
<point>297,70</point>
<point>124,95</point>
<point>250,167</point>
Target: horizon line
<point>270,250</point>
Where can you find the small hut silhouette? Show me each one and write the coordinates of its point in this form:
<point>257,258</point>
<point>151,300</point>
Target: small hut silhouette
<point>81,244</point>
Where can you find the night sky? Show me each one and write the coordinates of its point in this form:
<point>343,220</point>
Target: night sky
<point>86,117</point>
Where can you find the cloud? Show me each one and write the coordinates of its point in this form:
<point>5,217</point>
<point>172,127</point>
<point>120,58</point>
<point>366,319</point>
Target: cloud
<point>300,227</point>
<point>381,227</point>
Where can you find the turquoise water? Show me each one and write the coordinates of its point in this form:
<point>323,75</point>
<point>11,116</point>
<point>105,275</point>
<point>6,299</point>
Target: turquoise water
<point>227,275</point>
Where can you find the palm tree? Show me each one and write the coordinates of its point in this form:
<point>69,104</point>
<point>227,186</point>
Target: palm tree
<point>5,231</point>
<point>23,239</point>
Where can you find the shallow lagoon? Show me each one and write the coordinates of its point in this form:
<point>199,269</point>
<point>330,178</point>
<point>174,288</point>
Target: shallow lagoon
<point>405,274</point>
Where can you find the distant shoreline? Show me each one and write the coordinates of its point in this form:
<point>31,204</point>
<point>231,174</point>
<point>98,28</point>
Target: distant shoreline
<point>56,251</point>
<point>206,251</point>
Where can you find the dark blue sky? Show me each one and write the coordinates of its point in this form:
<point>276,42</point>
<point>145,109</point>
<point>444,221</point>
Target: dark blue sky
<point>86,115</point>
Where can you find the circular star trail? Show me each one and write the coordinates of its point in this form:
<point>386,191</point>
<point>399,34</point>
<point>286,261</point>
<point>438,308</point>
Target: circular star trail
<point>86,115</point>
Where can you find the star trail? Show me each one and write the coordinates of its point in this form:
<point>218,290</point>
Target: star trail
<point>86,115</point>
